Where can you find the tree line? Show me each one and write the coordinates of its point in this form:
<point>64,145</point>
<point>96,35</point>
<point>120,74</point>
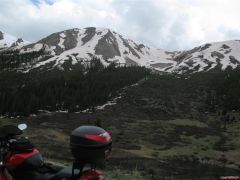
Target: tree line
<point>224,91</point>
<point>12,59</point>
<point>81,88</point>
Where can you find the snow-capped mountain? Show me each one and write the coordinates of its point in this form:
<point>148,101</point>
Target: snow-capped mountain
<point>7,40</point>
<point>219,55</point>
<point>75,46</point>
<point>79,45</point>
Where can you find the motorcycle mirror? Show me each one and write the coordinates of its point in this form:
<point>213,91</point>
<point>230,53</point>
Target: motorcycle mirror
<point>22,126</point>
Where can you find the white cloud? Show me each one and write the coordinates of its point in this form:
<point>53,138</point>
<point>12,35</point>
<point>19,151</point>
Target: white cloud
<point>168,24</point>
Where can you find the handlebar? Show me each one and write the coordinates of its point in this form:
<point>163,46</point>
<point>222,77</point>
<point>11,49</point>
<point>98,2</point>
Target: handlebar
<point>11,130</point>
<point>8,133</point>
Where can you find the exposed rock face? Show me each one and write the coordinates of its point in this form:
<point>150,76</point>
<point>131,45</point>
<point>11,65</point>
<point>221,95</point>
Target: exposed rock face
<point>234,60</point>
<point>90,32</point>
<point>70,39</point>
<point>139,47</point>
<point>107,46</point>
<point>129,47</point>
<point>18,42</point>
<point>217,54</point>
<point>224,46</point>
<point>1,35</point>
<point>52,41</point>
<point>206,46</point>
<point>130,62</point>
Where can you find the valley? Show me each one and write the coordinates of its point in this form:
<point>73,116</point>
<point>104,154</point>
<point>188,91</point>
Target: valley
<point>161,127</point>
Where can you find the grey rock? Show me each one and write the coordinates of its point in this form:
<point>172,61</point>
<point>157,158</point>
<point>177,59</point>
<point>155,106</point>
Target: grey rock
<point>52,40</point>
<point>179,58</point>
<point>217,54</point>
<point>130,62</point>
<point>106,49</point>
<point>71,39</point>
<point>139,47</point>
<point>129,47</point>
<point>228,51</point>
<point>19,40</point>
<point>205,47</point>
<point>209,64</point>
<point>224,46</point>
<point>90,32</point>
<point>234,60</point>
<point>1,35</point>
<point>190,63</point>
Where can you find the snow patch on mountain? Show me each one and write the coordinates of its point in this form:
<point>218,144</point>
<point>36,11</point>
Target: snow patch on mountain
<point>62,36</point>
<point>207,57</point>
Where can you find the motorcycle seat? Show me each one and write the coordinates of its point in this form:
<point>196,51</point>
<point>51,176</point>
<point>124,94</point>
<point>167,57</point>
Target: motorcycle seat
<point>54,172</point>
<point>66,174</point>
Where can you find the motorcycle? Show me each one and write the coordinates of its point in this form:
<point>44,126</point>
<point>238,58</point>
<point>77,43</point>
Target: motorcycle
<point>20,160</point>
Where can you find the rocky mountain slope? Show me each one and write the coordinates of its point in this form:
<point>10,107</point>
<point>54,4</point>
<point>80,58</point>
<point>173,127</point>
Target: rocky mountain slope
<point>7,41</point>
<point>220,55</point>
<point>75,46</point>
<point>79,45</point>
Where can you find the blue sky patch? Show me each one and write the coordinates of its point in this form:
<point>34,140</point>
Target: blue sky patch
<point>37,2</point>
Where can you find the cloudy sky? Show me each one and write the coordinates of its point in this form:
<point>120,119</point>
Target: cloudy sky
<point>167,24</point>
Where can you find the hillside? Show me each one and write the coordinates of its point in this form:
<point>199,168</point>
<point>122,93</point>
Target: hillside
<point>22,94</point>
<point>165,125</point>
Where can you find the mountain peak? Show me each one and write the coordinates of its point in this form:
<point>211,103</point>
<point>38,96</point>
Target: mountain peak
<point>79,45</point>
<point>7,40</point>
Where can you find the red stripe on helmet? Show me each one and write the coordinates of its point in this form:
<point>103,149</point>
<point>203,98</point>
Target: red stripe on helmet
<point>104,137</point>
